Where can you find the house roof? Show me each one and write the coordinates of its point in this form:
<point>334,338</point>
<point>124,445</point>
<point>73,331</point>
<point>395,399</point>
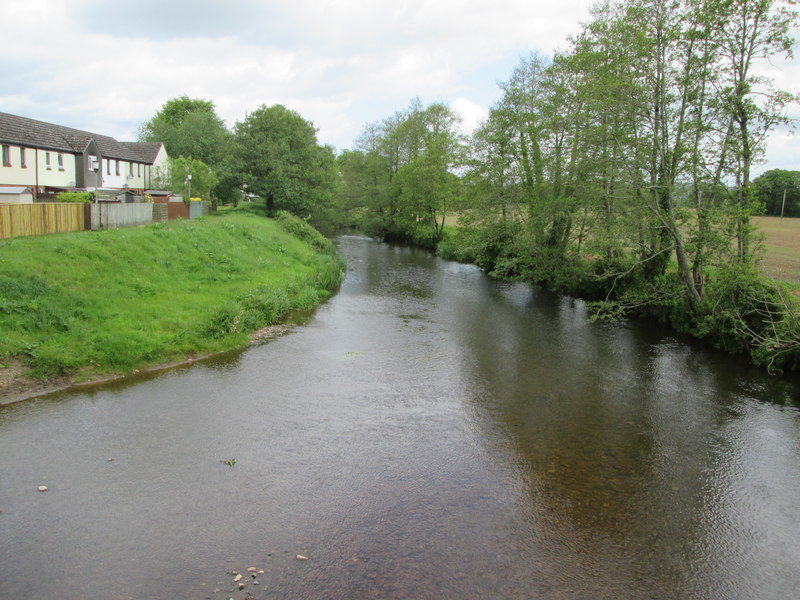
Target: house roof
<point>14,190</point>
<point>22,131</point>
<point>147,150</point>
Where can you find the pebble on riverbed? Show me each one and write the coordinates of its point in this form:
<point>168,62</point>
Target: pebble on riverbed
<point>42,488</point>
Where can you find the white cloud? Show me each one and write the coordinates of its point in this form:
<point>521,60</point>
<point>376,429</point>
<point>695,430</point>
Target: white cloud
<point>472,114</point>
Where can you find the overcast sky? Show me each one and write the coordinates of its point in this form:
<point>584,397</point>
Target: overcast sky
<point>106,65</point>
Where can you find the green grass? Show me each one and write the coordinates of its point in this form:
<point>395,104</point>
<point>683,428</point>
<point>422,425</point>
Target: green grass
<point>782,247</point>
<point>94,303</point>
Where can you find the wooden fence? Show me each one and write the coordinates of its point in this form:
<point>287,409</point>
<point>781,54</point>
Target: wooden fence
<point>40,218</point>
<point>114,215</point>
<point>57,217</point>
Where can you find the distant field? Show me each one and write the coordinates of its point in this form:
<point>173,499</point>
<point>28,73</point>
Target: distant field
<point>782,243</point>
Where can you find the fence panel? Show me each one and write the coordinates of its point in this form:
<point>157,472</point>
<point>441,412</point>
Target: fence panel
<point>178,210</point>
<point>160,212</point>
<point>40,218</point>
<point>195,209</point>
<point>111,216</point>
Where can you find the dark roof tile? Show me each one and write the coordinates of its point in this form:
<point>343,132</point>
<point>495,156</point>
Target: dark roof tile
<point>38,134</point>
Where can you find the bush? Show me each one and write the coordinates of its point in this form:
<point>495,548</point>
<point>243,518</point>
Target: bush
<point>745,312</point>
<point>82,197</point>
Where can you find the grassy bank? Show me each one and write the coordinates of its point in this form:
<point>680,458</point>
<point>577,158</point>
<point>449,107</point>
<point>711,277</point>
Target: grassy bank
<point>91,304</point>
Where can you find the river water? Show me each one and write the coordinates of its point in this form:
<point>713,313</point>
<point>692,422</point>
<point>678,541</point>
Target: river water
<point>428,433</point>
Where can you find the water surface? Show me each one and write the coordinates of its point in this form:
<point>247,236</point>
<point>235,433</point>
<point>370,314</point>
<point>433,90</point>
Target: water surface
<point>429,434</point>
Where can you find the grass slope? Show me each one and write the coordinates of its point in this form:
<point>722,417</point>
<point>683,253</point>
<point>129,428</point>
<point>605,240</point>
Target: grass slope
<point>95,303</point>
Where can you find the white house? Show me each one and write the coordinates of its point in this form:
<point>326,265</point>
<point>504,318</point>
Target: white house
<point>47,157</point>
<point>155,155</point>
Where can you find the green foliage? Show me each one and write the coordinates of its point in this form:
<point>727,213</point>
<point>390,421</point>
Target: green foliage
<point>303,231</point>
<point>203,178</point>
<point>98,303</point>
<point>188,127</point>
<point>82,197</point>
<point>276,155</point>
<point>745,312</point>
<point>401,182</point>
<point>257,308</point>
<point>772,187</point>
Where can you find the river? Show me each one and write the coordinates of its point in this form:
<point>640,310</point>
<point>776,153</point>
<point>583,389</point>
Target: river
<point>428,433</point>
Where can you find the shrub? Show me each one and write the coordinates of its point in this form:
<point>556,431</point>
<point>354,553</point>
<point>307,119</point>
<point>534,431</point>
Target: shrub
<point>82,197</point>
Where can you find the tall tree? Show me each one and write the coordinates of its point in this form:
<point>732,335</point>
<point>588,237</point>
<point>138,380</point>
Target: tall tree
<point>748,31</point>
<point>188,127</point>
<point>277,155</point>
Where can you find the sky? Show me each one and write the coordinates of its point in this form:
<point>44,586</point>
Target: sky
<point>107,66</point>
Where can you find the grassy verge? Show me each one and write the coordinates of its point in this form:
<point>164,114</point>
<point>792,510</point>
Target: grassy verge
<point>91,304</point>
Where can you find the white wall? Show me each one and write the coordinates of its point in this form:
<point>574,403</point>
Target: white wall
<point>55,175</point>
<point>112,180</point>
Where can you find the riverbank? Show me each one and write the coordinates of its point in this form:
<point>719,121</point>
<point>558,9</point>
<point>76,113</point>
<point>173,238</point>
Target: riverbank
<point>16,386</point>
<point>742,310</point>
<point>96,306</point>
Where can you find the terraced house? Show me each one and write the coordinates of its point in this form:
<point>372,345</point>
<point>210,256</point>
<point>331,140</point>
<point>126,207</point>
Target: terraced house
<point>47,158</point>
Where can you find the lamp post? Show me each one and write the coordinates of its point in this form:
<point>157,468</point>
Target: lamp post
<point>188,181</point>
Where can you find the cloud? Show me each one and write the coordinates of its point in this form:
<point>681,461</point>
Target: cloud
<point>108,66</point>
<point>472,114</point>
<point>324,59</point>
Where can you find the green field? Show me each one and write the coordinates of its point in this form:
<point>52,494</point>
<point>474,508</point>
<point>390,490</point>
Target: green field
<point>90,304</point>
<point>782,247</point>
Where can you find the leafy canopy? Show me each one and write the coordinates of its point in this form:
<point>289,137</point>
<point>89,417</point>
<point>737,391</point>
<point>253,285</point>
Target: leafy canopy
<point>277,156</point>
<point>188,127</point>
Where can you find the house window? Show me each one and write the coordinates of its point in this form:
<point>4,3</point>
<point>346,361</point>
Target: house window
<point>138,169</point>
<point>60,161</point>
<point>22,162</point>
<point>6,156</point>
<point>108,166</point>
<point>47,160</point>
<point>131,169</point>
<point>117,161</point>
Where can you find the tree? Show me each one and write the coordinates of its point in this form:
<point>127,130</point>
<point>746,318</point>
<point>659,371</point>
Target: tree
<point>188,127</point>
<point>749,30</point>
<point>776,187</point>
<point>402,173</point>
<point>427,192</point>
<point>203,178</point>
<point>276,154</point>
